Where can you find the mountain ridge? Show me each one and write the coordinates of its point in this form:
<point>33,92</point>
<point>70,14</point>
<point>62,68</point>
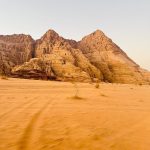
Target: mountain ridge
<point>95,57</point>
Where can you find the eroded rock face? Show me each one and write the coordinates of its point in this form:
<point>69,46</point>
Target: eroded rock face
<point>50,67</point>
<point>67,61</point>
<point>114,64</point>
<point>52,57</point>
<point>36,68</point>
<point>15,50</point>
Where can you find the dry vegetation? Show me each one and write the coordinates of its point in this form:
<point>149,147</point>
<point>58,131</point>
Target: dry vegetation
<point>97,85</point>
<point>76,92</point>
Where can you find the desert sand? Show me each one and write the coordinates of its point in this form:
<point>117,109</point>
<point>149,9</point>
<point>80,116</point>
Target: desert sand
<point>44,115</point>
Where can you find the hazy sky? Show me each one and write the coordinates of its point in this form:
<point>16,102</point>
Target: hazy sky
<point>127,22</point>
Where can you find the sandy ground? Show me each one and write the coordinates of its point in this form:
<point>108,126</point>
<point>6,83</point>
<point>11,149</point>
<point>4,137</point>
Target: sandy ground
<point>42,115</point>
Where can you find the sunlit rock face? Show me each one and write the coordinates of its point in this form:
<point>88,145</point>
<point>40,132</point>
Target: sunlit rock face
<point>95,58</point>
<point>110,59</point>
<point>67,62</point>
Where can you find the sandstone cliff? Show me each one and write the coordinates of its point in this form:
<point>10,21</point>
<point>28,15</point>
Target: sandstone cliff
<point>15,50</point>
<point>95,57</point>
<point>114,64</point>
<point>67,62</point>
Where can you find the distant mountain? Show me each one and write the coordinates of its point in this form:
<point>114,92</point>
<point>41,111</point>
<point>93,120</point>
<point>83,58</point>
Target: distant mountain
<point>52,57</point>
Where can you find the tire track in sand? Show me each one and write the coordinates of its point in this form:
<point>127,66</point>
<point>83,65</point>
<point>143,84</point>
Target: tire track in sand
<point>27,138</point>
<point>30,102</point>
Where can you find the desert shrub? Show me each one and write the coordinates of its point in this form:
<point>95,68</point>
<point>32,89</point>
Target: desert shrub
<point>76,92</point>
<point>76,89</point>
<point>97,85</point>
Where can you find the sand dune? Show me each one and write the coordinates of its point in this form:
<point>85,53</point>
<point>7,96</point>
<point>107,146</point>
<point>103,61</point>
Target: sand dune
<point>43,115</point>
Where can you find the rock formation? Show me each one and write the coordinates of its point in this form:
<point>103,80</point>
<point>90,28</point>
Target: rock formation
<point>15,50</point>
<point>68,63</point>
<point>114,64</point>
<point>52,57</point>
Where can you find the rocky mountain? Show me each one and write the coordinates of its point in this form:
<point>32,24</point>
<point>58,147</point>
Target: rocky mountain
<point>110,59</point>
<point>15,50</point>
<point>94,58</point>
<point>65,62</point>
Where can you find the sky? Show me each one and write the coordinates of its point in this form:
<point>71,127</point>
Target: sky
<point>126,22</point>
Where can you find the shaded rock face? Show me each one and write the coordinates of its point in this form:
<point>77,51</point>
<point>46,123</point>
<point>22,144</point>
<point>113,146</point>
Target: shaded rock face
<point>52,57</point>
<point>36,68</point>
<point>114,64</point>
<point>15,50</point>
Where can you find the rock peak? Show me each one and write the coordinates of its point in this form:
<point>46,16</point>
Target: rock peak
<point>98,33</point>
<point>51,31</point>
<point>95,35</point>
<point>51,34</point>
